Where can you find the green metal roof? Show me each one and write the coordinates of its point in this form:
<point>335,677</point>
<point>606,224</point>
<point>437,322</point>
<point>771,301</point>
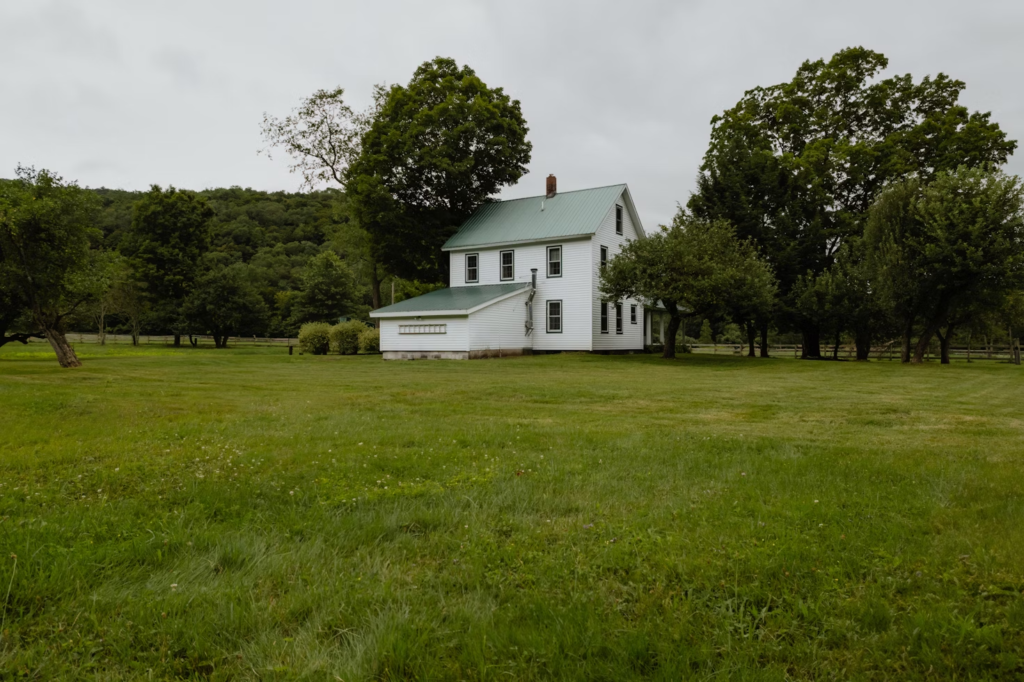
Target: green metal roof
<point>455,299</point>
<point>567,214</point>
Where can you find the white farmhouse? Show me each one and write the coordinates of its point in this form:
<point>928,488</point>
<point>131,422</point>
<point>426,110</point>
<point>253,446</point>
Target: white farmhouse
<point>524,279</point>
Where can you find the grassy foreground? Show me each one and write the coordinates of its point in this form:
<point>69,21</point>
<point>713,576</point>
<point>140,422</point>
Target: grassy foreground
<point>250,515</point>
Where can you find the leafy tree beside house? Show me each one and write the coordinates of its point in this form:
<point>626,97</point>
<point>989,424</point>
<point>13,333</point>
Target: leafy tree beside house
<point>796,166</point>
<point>169,235</point>
<point>945,250</point>
<point>695,268</point>
<point>435,150</point>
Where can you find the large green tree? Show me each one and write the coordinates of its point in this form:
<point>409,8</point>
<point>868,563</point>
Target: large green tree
<point>436,149</point>
<point>224,303</point>
<point>323,136</point>
<point>694,268</point>
<point>796,166</point>
<point>328,290</point>
<point>45,232</point>
<point>169,235</point>
<point>947,249</point>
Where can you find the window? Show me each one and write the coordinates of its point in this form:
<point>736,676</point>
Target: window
<point>604,317</point>
<point>508,270</point>
<point>618,318</point>
<point>472,268</point>
<point>423,329</point>
<point>604,256</point>
<point>554,317</point>
<point>632,314</point>
<point>618,219</point>
<point>554,261</point>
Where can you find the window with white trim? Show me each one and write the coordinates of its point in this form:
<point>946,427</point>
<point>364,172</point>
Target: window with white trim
<point>618,219</point>
<point>554,261</point>
<point>604,317</point>
<point>554,317</point>
<point>472,268</point>
<point>604,256</point>
<point>618,318</point>
<point>423,329</point>
<point>508,265</point>
<point>632,314</point>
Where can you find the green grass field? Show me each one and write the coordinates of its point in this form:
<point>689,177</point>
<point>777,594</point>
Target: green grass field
<point>244,514</point>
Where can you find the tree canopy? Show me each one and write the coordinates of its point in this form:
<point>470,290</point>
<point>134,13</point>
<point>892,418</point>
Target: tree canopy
<point>435,150</point>
<point>796,166</point>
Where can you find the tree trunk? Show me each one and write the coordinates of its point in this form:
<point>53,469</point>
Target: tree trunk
<point>944,341</point>
<point>862,339</point>
<point>669,345</point>
<point>194,342</point>
<point>811,349</point>
<point>835,348</point>
<point>65,353</point>
<point>177,340</point>
<point>375,288</point>
<point>908,330</point>
<point>103,327</point>
<point>751,338</point>
<point>924,342</point>
<point>764,339</point>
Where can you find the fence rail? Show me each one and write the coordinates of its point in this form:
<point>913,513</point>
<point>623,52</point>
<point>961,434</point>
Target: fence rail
<point>886,352</point>
<point>168,339</point>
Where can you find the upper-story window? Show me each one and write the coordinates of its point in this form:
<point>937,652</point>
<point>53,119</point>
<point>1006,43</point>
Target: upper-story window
<point>618,219</point>
<point>472,268</point>
<point>604,256</point>
<point>508,265</point>
<point>554,261</point>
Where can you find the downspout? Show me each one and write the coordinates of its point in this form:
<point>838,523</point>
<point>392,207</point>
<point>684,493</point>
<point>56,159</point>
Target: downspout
<point>529,301</point>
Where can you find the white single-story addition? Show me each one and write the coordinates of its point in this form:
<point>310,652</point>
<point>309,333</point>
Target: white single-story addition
<point>524,278</point>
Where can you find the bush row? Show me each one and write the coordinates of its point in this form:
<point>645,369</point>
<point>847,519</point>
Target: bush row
<point>347,338</point>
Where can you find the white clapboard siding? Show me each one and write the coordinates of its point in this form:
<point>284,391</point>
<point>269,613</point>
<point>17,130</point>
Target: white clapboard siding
<point>500,326</point>
<point>632,337</point>
<point>573,288</point>
<point>455,338</point>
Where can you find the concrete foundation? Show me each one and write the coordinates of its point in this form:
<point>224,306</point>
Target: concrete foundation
<point>456,354</point>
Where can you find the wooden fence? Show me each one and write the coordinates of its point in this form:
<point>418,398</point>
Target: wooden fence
<point>849,352</point>
<point>168,340</point>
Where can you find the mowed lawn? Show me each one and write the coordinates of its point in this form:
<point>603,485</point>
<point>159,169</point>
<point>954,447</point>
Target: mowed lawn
<point>243,514</point>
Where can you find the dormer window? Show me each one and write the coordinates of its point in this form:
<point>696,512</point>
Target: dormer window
<point>472,268</point>
<point>618,219</point>
<point>508,270</point>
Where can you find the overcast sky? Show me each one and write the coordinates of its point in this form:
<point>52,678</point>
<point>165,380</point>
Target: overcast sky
<point>127,94</point>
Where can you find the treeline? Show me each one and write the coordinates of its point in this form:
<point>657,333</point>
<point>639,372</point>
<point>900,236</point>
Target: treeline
<point>844,207</point>
<point>838,207</point>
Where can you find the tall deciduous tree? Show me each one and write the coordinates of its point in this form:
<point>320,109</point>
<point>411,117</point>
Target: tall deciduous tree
<point>695,268</point>
<point>224,303</point>
<point>44,248</point>
<point>169,234</point>
<point>942,249</point>
<point>323,136</point>
<point>328,290</point>
<point>437,148</point>
<point>796,166</point>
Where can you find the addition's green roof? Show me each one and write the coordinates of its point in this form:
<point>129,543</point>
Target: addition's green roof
<point>567,214</point>
<point>452,299</point>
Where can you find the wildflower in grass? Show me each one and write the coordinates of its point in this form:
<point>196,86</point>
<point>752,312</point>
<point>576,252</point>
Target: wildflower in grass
<point>174,586</point>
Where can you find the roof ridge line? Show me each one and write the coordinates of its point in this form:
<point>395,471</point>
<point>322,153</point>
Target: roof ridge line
<point>544,196</point>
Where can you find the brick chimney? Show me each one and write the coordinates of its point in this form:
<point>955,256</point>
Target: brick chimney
<point>552,186</point>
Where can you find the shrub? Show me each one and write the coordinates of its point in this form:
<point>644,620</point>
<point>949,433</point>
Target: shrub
<point>369,341</point>
<point>345,336</point>
<point>315,338</point>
